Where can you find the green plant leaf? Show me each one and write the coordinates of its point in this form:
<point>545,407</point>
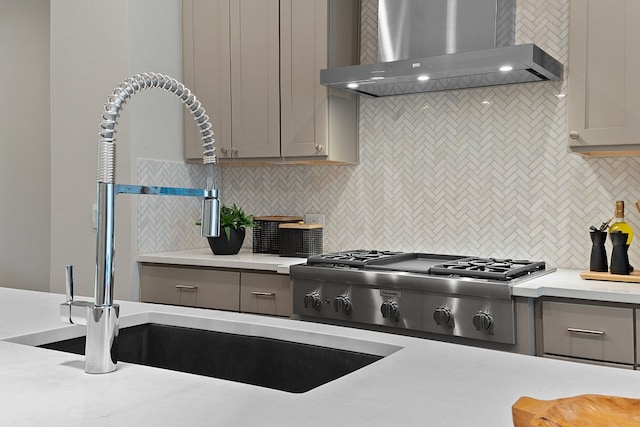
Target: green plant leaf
<point>234,217</point>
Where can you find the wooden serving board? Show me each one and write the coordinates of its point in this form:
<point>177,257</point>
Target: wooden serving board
<point>634,277</point>
<point>578,411</point>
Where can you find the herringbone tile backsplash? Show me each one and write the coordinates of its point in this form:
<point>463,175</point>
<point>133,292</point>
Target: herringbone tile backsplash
<point>169,223</point>
<point>481,172</point>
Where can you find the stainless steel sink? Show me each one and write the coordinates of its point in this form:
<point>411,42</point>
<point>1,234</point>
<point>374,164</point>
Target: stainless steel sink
<point>262,361</point>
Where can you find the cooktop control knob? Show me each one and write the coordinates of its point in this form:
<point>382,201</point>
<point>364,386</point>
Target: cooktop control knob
<point>342,304</point>
<point>443,316</point>
<point>483,321</point>
<point>390,310</point>
<point>312,300</point>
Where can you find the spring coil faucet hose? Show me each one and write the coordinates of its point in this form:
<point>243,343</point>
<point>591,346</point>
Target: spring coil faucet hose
<point>106,145</point>
<point>101,315</point>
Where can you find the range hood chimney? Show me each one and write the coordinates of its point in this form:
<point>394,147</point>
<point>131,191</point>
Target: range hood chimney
<point>435,45</point>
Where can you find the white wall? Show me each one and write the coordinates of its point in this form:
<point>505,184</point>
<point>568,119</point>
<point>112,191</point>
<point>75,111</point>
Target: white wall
<point>24,144</point>
<point>155,45</point>
<point>88,58</point>
<point>95,46</point>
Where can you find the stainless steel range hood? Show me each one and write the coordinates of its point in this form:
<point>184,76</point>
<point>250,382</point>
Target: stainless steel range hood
<point>435,45</point>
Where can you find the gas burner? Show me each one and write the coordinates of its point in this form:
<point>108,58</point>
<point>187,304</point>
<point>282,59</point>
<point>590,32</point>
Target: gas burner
<point>481,265</point>
<point>488,268</point>
<point>355,258</point>
<point>365,254</point>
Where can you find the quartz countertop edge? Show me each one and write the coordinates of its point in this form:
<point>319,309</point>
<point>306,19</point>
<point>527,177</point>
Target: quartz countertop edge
<point>567,283</point>
<point>412,386</point>
<point>205,258</point>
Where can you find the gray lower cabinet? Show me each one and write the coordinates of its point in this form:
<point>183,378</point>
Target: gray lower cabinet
<point>266,294</point>
<point>637,339</point>
<point>599,334</point>
<point>190,286</point>
<point>221,289</point>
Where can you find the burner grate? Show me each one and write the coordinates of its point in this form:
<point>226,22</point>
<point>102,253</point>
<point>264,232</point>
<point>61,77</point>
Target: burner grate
<point>488,268</point>
<point>452,266</point>
<point>355,258</point>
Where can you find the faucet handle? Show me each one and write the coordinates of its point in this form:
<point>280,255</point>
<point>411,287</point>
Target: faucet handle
<point>74,312</point>
<point>69,282</point>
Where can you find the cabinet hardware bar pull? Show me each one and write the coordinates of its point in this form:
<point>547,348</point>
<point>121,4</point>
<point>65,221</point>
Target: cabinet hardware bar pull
<point>264,294</point>
<point>187,288</point>
<point>585,331</point>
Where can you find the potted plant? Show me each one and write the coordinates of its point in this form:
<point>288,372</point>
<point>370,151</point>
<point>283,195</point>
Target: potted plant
<point>233,222</point>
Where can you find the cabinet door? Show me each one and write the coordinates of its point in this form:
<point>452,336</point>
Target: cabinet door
<point>588,332</point>
<point>206,60</point>
<point>637,339</point>
<point>604,90</point>
<point>255,78</point>
<point>189,286</point>
<point>303,52</point>
<point>266,294</point>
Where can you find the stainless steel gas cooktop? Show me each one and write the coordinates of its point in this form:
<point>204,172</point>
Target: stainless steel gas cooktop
<point>463,266</point>
<point>444,294</point>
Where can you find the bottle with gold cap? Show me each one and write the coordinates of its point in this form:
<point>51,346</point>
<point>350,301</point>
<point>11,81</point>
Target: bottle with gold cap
<point>619,224</point>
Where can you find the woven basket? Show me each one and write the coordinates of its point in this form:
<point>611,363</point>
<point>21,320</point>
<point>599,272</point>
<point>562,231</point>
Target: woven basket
<point>300,240</point>
<point>266,234</point>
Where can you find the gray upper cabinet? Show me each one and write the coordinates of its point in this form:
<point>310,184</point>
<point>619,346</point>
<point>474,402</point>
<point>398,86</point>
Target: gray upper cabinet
<point>231,62</point>
<point>255,66</point>
<point>255,79</point>
<point>206,70</point>
<point>317,122</point>
<point>604,90</point>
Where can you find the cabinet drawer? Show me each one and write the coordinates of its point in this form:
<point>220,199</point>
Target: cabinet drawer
<point>266,294</point>
<point>590,362</point>
<point>637,338</point>
<point>191,287</point>
<point>587,331</point>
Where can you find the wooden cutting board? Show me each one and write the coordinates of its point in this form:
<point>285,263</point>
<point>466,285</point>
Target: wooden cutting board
<point>634,277</point>
<point>588,410</point>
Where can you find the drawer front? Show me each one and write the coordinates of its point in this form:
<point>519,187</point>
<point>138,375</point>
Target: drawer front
<point>637,338</point>
<point>266,294</point>
<point>590,362</point>
<point>191,287</point>
<point>586,331</point>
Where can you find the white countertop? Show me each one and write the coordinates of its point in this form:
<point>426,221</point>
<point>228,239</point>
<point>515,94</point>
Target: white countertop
<point>205,258</point>
<point>566,283</point>
<point>424,383</point>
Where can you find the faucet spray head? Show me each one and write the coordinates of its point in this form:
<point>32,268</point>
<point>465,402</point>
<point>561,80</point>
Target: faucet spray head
<point>210,226</point>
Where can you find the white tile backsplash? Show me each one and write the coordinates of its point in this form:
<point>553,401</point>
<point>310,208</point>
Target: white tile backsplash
<point>480,172</point>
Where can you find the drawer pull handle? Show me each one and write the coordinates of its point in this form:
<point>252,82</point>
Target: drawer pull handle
<point>264,294</point>
<point>186,288</point>
<point>585,331</point>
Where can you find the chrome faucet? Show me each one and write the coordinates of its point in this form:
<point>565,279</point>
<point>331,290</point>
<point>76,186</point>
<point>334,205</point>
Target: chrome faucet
<point>101,315</point>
